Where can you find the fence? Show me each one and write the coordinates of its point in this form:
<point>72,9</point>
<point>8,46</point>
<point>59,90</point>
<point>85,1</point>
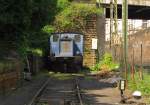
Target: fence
<point>9,75</point>
<point>138,51</point>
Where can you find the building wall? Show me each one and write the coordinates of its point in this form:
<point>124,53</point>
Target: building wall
<point>135,41</point>
<point>134,48</point>
<point>95,28</point>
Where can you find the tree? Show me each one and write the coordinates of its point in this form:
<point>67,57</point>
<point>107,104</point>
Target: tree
<point>74,17</point>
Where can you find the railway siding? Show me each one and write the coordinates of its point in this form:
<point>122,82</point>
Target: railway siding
<point>59,91</point>
<point>67,89</point>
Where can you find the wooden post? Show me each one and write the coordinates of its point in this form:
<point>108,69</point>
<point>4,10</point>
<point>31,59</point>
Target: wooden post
<point>141,61</point>
<point>132,69</point>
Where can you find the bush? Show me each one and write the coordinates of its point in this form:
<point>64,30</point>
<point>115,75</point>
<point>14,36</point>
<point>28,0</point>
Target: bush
<point>73,17</point>
<point>106,64</point>
<point>48,29</point>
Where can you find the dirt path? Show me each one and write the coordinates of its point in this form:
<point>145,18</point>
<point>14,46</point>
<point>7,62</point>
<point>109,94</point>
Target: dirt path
<point>94,91</point>
<point>102,92</point>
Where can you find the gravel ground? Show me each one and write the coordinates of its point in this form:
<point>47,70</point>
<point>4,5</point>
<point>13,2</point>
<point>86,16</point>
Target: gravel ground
<point>94,91</point>
<point>102,92</point>
<point>59,91</point>
<point>23,95</point>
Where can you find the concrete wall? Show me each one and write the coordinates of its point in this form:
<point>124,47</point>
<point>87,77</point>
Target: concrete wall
<point>134,48</point>
<point>135,41</point>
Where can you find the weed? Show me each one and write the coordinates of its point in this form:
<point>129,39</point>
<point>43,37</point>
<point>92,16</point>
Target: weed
<point>106,63</point>
<point>141,85</point>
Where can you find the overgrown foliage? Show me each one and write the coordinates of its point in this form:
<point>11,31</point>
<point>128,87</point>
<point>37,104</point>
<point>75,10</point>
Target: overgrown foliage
<point>26,25</point>
<point>74,17</point>
<point>106,63</point>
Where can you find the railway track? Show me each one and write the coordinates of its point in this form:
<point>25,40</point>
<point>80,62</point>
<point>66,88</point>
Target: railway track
<point>58,92</point>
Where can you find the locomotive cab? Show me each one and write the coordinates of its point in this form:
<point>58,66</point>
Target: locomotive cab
<point>66,48</point>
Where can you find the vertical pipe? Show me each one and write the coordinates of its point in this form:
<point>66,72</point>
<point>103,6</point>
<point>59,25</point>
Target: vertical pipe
<point>124,27</point>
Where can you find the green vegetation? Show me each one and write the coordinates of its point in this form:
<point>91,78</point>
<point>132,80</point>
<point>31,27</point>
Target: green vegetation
<point>141,85</point>
<point>73,17</point>
<point>21,23</point>
<point>60,76</point>
<point>7,66</point>
<point>106,63</point>
<point>26,25</point>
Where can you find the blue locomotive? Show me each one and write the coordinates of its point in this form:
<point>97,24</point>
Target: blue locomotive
<point>67,49</point>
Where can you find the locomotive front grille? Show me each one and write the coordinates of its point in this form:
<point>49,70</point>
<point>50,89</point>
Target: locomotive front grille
<point>66,48</point>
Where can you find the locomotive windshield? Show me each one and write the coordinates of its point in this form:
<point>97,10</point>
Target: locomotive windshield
<point>55,38</point>
<point>77,38</point>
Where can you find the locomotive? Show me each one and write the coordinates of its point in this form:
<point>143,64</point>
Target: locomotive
<point>66,49</point>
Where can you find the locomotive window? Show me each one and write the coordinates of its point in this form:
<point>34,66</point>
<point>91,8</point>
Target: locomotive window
<point>77,38</point>
<point>55,38</point>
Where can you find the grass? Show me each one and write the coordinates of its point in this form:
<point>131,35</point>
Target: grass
<point>60,76</point>
<point>106,63</point>
<point>141,85</point>
<point>88,78</point>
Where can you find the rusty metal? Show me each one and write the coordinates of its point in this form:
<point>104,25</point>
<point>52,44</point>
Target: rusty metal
<point>141,61</point>
<point>38,100</point>
<point>34,99</point>
<point>78,92</point>
<point>132,69</point>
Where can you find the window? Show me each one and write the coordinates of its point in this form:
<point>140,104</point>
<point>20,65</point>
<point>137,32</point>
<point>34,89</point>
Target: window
<point>77,38</point>
<point>55,38</point>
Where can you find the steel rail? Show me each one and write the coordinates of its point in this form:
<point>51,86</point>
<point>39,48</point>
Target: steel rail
<point>38,93</point>
<point>78,92</point>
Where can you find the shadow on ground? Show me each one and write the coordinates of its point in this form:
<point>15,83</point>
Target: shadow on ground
<point>98,92</point>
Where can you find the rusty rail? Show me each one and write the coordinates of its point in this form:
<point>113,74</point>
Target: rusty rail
<point>78,92</point>
<point>34,99</point>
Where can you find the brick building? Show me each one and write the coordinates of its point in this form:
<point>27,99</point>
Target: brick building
<point>95,29</point>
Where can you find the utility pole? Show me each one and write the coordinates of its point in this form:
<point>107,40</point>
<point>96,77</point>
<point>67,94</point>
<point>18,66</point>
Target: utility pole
<point>124,30</point>
<point>115,36</point>
<point>111,23</point>
<point>116,17</point>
